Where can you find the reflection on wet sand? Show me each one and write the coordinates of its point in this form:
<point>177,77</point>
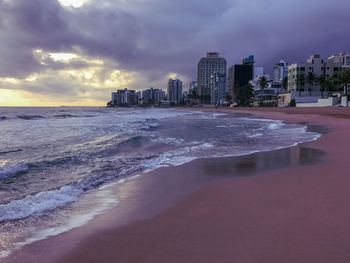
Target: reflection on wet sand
<point>262,162</point>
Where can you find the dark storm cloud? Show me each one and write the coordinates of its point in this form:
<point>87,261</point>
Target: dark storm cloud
<point>156,37</point>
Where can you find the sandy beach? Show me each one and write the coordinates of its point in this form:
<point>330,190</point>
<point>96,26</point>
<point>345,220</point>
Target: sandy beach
<point>290,205</point>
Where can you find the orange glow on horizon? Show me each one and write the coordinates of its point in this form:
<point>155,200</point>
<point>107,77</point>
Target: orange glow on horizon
<point>19,98</point>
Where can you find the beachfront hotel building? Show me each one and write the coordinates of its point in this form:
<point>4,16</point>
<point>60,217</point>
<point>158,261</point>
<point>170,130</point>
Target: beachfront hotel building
<point>217,88</point>
<point>174,90</point>
<point>298,72</point>
<point>207,66</point>
<point>240,74</point>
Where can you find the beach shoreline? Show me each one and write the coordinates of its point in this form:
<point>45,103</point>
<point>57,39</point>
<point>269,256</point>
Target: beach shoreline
<point>218,221</point>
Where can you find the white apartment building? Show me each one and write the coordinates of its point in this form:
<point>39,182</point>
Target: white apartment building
<point>317,66</point>
<point>341,58</point>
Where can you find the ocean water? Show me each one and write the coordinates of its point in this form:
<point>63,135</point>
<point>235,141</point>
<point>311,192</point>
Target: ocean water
<point>57,164</point>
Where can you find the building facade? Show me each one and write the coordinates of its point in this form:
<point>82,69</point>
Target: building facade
<point>258,71</point>
<point>217,88</point>
<point>298,72</point>
<point>207,66</point>
<point>280,71</point>
<point>174,90</point>
<point>124,98</point>
<point>159,96</point>
<point>341,58</point>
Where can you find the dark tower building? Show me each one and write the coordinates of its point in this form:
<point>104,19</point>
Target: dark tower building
<point>240,74</point>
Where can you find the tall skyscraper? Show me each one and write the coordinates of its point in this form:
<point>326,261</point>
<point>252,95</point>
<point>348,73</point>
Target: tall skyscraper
<point>174,90</point>
<point>207,66</point>
<point>240,74</point>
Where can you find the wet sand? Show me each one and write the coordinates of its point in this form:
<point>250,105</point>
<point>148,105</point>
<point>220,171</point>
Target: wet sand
<point>290,205</point>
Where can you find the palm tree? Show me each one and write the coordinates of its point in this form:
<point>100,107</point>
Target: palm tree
<point>262,82</point>
<point>285,83</point>
<point>300,82</point>
<point>345,79</point>
<point>310,78</point>
<point>322,80</point>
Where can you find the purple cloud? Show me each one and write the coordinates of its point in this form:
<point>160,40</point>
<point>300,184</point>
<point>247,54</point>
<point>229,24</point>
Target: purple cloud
<point>157,37</point>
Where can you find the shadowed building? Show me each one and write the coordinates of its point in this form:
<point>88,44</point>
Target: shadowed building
<point>240,74</point>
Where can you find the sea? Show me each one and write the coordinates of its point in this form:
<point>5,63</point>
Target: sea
<point>56,163</point>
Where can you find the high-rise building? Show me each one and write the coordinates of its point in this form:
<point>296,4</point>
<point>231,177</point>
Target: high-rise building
<point>124,97</point>
<point>240,75</point>
<point>280,71</point>
<point>174,90</point>
<point>152,96</point>
<point>138,96</point>
<point>217,88</point>
<point>207,66</point>
<point>146,97</point>
<point>159,96</point>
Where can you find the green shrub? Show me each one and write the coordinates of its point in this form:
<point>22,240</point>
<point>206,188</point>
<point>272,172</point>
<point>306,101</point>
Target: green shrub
<point>292,103</point>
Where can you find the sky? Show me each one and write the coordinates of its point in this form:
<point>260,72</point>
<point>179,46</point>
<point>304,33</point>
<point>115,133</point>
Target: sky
<point>76,52</point>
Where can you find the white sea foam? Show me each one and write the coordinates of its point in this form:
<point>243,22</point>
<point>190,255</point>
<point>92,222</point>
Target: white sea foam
<point>177,161</point>
<point>275,126</point>
<point>255,135</point>
<point>106,200</point>
<point>12,170</point>
<point>169,140</point>
<point>39,203</point>
<point>218,114</point>
<point>175,158</point>
<point>150,126</point>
